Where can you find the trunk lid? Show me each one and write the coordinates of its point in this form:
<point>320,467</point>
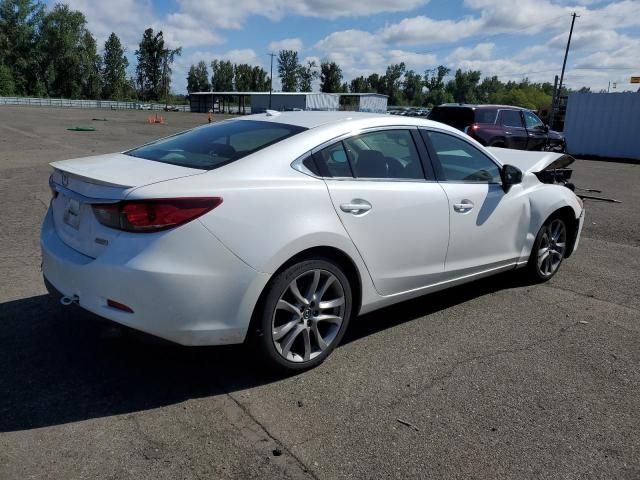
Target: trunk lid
<point>100,179</point>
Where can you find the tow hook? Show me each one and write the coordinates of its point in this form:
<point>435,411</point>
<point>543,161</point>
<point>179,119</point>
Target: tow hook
<point>66,300</point>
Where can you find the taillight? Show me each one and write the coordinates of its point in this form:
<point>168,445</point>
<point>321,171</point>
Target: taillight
<point>146,216</point>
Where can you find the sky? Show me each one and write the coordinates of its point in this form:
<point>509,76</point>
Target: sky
<point>510,39</point>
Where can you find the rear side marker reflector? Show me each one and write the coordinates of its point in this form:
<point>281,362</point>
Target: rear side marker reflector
<point>154,215</point>
<point>119,306</point>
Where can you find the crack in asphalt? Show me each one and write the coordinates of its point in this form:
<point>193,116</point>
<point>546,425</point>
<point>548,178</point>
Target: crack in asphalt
<point>305,468</point>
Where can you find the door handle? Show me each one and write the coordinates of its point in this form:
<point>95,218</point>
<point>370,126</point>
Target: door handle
<point>356,206</point>
<point>464,206</point>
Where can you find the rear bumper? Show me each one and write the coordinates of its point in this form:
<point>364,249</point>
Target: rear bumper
<point>182,285</point>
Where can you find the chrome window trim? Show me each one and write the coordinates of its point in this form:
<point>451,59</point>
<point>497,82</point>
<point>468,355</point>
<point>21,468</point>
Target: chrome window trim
<point>298,165</point>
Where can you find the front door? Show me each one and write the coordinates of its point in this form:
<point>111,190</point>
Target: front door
<point>514,132</point>
<point>487,226</point>
<point>537,135</point>
<point>396,217</point>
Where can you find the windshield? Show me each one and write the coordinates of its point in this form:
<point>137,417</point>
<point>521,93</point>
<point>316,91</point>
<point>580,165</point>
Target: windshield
<point>217,144</point>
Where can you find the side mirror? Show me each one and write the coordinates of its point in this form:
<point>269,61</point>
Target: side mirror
<point>510,176</point>
<point>546,128</point>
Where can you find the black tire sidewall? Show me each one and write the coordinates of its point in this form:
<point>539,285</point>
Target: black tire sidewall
<point>276,287</point>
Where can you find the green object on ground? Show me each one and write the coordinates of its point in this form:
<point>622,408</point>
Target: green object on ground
<point>82,129</point>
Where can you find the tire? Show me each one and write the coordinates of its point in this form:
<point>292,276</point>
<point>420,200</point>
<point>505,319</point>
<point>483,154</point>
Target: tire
<point>548,250</point>
<point>296,331</point>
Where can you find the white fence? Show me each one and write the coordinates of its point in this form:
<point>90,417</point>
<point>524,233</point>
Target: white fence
<point>603,124</point>
<point>68,103</point>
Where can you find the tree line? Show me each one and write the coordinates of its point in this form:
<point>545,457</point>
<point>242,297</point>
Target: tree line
<point>51,53</point>
<point>404,87</point>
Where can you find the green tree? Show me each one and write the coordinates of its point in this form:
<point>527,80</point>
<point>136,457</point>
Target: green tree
<point>330,77</point>
<point>7,85</point>
<point>198,78</point>
<point>464,85</point>
<point>376,83</point>
<point>65,52</point>
<point>153,72</point>
<point>114,69</point>
<point>393,81</point>
<point>259,80</point>
<point>306,75</point>
<point>222,75</point>
<point>359,85</point>
<point>412,88</point>
<point>288,69</point>
<point>434,81</point>
<point>90,67</point>
<point>243,73</point>
<point>489,88</point>
<point>20,24</point>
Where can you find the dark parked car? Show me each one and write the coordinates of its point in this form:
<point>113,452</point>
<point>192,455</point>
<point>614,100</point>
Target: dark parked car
<point>500,126</point>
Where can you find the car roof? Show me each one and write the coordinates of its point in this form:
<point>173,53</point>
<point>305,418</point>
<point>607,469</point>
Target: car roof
<point>310,119</point>
<point>475,107</point>
<point>343,120</point>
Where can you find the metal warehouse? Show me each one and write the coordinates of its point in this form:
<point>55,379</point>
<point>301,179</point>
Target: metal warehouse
<point>259,101</point>
<point>603,124</point>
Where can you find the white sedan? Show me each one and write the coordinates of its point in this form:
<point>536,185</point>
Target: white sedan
<point>280,227</point>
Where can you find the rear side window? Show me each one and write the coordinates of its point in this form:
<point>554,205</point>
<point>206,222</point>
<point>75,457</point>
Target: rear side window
<point>217,144</point>
<point>385,154</point>
<point>511,118</point>
<point>332,161</point>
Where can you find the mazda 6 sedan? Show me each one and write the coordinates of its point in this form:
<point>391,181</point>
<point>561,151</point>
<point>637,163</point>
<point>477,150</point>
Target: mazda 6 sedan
<point>278,228</point>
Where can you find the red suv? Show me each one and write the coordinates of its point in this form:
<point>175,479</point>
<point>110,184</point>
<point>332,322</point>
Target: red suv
<point>500,126</point>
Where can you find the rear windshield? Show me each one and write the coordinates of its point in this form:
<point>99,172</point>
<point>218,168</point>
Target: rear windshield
<point>461,117</point>
<point>214,145</point>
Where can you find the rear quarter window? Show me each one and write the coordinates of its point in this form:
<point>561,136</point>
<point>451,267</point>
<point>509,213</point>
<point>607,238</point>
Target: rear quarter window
<point>458,117</point>
<point>486,115</point>
<point>214,145</point>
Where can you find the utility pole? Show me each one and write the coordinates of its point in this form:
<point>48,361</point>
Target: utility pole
<point>271,78</point>
<point>556,100</point>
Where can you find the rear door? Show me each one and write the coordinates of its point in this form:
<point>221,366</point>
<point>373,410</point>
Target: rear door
<point>391,207</point>
<point>487,226</point>
<point>513,127</point>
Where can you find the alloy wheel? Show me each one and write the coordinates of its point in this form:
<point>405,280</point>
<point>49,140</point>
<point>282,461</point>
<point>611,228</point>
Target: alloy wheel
<point>308,315</point>
<point>553,245</point>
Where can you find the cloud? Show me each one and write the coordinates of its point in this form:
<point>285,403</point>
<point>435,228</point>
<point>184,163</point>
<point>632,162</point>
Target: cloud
<point>482,51</point>
<point>231,14</point>
<point>127,18</point>
<point>286,44</point>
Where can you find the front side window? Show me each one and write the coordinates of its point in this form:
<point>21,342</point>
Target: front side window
<point>511,118</point>
<point>217,144</point>
<point>532,121</point>
<point>385,154</point>
<point>462,162</point>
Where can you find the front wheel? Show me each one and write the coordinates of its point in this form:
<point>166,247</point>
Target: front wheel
<point>304,314</point>
<point>548,251</point>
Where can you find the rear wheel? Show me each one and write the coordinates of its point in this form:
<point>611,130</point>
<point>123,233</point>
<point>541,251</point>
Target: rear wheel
<point>548,250</point>
<point>304,315</point>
